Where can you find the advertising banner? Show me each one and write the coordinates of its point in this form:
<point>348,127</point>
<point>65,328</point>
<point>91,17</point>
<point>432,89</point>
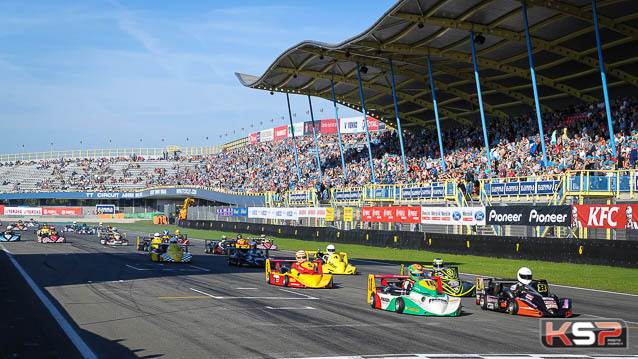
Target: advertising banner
<point>329,126</point>
<point>312,212</point>
<point>348,214</point>
<point>298,127</point>
<point>240,212</point>
<point>350,125</point>
<point>253,137</point>
<point>266,135</point>
<point>408,214</point>
<point>224,212</point>
<point>22,211</point>
<point>62,211</point>
<point>1,209</point>
<point>348,195</point>
<point>624,216</point>
<point>330,214</point>
<point>273,213</point>
<point>280,132</point>
<point>307,128</point>
<point>453,215</point>
<point>529,215</point>
<point>105,208</point>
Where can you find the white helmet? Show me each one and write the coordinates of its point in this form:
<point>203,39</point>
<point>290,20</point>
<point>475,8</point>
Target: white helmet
<point>330,249</point>
<point>74,222</point>
<point>156,234</point>
<point>100,223</point>
<point>263,236</point>
<point>524,275</point>
<point>9,228</point>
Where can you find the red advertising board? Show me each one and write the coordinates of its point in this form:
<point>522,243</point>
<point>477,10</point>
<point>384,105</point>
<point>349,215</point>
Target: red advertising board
<point>280,132</point>
<point>1,209</point>
<point>366,214</point>
<point>408,214</point>
<point>253,137</point>
<point>373,124</point>
<point>62,211</point>
<point>605,216</point>
<point>329,126</point>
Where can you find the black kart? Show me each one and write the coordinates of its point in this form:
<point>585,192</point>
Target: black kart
<point>247,257</point>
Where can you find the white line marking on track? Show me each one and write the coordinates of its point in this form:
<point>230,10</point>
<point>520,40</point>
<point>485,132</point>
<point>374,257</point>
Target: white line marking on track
<point>204,269</point>
<point>289,308</point>
<point>305,295</point>
<point>596,316</point>
<point>75,338</point>
<point>249,297</point>
<point>204,293</point>
<point>246,288</point>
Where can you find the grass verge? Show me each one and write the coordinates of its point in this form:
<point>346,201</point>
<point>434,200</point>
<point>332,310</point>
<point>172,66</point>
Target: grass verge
<point>578,275</point>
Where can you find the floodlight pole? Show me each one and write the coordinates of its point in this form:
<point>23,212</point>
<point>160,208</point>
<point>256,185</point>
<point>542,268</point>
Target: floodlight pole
<point>314,133</point>
<point>334,102</point>
<point>533,74</point>
<point>436,113</point>
<point>480,100</point>
<point>604,79</point>
<point>294,141</point>
<point>396,112</point>
<point>365,123</point>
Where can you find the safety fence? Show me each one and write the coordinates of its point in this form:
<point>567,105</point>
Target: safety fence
<point>590,251</point>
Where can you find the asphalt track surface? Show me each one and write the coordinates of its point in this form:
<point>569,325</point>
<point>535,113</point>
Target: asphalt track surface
<point>122,305</point>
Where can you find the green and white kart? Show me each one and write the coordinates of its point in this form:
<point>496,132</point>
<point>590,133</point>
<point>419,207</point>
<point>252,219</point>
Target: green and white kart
<point>426,297</point>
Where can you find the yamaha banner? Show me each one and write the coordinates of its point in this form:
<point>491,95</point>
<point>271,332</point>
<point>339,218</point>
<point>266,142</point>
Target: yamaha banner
<point>529,215</point>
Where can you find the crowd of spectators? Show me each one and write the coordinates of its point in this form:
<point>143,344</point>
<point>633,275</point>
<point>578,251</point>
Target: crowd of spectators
<point>576,138</point>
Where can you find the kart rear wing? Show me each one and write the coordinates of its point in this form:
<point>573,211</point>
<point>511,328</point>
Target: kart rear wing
<point>276,261</point>
<point>372,281</point>
<point>481,281</point>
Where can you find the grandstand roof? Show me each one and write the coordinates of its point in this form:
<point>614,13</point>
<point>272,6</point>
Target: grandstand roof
<point>562,37</point>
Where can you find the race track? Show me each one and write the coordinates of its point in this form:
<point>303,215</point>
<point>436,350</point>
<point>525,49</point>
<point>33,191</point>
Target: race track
<point>122,305</point>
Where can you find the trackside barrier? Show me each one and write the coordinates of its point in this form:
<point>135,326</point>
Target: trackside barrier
<point>589,251</point>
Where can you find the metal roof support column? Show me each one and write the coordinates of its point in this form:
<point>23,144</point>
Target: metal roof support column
<point>436,113</point>
<point>334,102</point>
<point>314,133</point>
<point>365,123</point>
<point>480,101</point>
<point>294,141</point>
<point>396,111</point>
<point>604,79</point>
<point>533,73</point>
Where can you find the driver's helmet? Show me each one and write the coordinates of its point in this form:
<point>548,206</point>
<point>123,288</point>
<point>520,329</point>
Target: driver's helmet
<point>9,228</point>
<point>224,237</point>
<point>415,271</point>
<point>438,263</point>
<point>263,236</point>
<point>20,222</point>
<point>165,233</point>
<point>177,232</point>
<point>173,240</point>
<point>99,224</point>
<point>239,236</point>
<point>116,236</point>
<point>330,249</point>
<point>156,235</point>
<point>301,256</point>
<point>52,227</point>
<point>114,229</point>
<point>74,222</point>
<point>524,275</point>
<point>253,244</point>
<point>44,226</point>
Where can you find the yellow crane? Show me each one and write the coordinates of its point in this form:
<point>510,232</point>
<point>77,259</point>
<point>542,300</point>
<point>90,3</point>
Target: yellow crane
<point>183,212</point>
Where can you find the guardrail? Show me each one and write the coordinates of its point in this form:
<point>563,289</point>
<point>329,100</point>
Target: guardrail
<point>109,152</point>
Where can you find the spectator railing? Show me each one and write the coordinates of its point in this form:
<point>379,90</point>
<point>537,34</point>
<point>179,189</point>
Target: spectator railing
<point>519,187</point>
<point>156,152</point>
<point>346,196</point>
<point>599,182</point>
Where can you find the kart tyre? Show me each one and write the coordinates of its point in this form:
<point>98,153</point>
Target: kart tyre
<point>373,300</point>
<point>482,303</point>
<point>512,307</point>
<point>399,305</point>
<point>286,281</point>
<point>268,279</point>
<point>330,284</point>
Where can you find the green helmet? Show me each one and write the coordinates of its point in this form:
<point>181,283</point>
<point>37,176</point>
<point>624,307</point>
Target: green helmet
<point>415,271</point>
<point>224,236</point>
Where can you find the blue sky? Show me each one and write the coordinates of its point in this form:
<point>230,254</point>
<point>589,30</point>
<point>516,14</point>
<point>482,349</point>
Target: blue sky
<point>91,70</point>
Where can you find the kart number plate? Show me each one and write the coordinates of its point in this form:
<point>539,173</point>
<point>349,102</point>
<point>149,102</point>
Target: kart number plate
<point>453,283</point>
<point>551,304</point>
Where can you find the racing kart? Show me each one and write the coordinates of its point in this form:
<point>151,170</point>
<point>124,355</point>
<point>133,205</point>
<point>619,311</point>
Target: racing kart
<point>336,263</point>
<point>149,243</point>
<point>266,244</point>
<point>171,252</point>
<point>450,281</point>
<point>534,300</point>
<point>183,239</point>
<point>50,237</point>
<point>9,237</point>
<point>284,274</point>
<point>20,227</point>
<point>243,257</point>
<point>70,228</point>
<point>86,230</point>
<point>218,246</point>
<point>426,297</point>
<point>109,240</point>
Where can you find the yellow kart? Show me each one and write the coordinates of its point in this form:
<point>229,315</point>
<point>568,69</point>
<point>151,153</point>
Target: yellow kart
<point>336,263</point>
<point>288,273</point>
<point>171,252</point>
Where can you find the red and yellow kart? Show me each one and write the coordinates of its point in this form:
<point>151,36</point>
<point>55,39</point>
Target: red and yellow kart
<point>289,273</point>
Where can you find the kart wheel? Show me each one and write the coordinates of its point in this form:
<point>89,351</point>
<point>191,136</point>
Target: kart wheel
<point>330,284</point>
<point>482,303</point>
<point>399,305</point>
<point>512,307</point>
<point>373,300</point>
<point>286,281</point>
<point>268,279</point>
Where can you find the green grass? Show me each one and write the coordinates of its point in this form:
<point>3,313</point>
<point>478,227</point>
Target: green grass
<point>579,275</point>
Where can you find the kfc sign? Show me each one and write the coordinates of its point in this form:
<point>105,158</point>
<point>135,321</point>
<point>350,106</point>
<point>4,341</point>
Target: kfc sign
<point>620,216</point>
